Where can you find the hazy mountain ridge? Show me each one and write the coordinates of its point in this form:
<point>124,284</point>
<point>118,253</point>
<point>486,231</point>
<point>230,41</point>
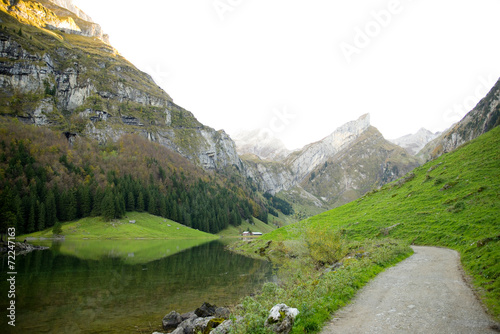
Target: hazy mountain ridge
<point>413,143</point>
<point>260,143</point>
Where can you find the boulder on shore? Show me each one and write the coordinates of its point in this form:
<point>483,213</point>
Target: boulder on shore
<point>206,318</point>
<point>206,310</point>
<point>171,320</point>
<point>281,318</point>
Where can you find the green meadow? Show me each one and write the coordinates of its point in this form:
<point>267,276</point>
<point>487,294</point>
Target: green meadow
<point>146,226</point>
<point>452,201</point>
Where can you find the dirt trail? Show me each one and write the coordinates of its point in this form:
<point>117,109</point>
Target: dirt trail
<point>426,293</point>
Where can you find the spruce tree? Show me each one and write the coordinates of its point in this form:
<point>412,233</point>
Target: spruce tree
<point>71,205</point>
<point>163,206</point>
<point>41,217</point>
<point>140,202</point>
<point>30,228</point>
<point>57,229</point>
<point>130,201</point>
<point>108,206</point>
<point>50,209</point>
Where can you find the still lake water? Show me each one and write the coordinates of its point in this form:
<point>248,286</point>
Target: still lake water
<point>124,286</point>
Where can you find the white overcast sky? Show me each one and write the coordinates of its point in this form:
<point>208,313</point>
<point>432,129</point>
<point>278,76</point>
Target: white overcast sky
<point>303,68</point>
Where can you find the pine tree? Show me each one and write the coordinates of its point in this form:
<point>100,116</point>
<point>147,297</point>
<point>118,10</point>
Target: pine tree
<point>97,205</point>
<point>108,206</point>
<point>163,206</point>
<point>130,201</point>
<point>84,201</point>
<point>19,215</point>
<point>31,216</point>
<point>51,210</point>
<point>71,205</point>
<point>57,229</point>
<point>140,202</point>
<point>41,217</point>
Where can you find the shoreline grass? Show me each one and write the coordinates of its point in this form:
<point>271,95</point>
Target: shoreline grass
<point>316,289</point>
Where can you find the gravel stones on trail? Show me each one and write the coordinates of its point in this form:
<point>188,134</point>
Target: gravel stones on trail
<point>425,293</point>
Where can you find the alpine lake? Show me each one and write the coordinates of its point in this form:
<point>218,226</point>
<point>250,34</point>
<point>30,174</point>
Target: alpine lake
<point>124,286</point>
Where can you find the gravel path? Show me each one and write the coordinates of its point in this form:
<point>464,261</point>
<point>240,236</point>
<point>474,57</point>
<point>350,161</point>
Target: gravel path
<point>425,293</point>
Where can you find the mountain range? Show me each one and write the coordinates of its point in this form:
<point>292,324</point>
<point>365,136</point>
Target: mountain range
<point>58,71</point>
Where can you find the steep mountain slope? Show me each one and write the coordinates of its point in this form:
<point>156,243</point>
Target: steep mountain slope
<point>306,160</point>
<point>270,176</point>
<point>484,117</point>
<point>413,143</point>
<point>368,162</point>
<point>53,74</point>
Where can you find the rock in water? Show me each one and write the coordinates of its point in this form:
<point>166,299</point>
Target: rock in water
<point>171,320</point>
<point>281,318</point>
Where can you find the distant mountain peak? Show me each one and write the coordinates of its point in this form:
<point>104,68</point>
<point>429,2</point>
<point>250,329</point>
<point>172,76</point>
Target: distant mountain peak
<point>413,143</point>
<point>349,129</point>
<point>260,143</point>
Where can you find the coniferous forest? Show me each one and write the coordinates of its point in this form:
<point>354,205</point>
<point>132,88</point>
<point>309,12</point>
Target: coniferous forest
<point>47,178</point>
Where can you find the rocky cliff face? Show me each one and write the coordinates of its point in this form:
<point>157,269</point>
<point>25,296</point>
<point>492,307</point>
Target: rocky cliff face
<point>83,86</point>
<point>270,176</point>
<point>60,15</point>
<point>368,161</point>
<point>413,143</point>
<point>306,160</point>
<point>69,5</point>
<point>481,119</point>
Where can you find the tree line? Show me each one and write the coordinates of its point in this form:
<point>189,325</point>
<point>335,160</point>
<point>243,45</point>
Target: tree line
<point>278,204</point>
<point>87,181</point>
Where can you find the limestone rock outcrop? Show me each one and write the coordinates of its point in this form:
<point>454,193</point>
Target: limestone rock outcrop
<point>484,117</point>
<point>90,90</point>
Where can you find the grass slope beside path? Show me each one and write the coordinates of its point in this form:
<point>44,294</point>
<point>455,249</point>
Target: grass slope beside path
<point>146,226</point>
<point>453,201</point>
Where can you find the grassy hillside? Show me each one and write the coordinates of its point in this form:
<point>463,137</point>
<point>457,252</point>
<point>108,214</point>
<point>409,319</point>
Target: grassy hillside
<point>453,201</point>
<point>146,226</point>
